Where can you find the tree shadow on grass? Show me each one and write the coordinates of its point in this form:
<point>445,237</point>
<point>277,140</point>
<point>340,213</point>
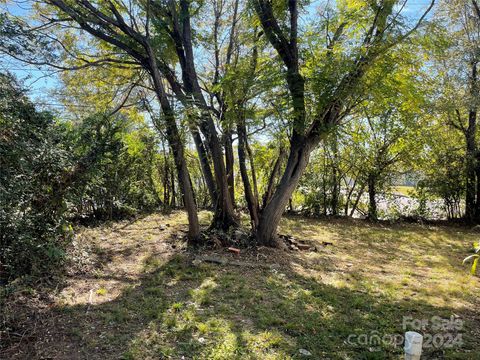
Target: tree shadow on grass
<point>225,312</point>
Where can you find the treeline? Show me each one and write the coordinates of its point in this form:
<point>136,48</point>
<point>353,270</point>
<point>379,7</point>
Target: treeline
<point>248,105</point>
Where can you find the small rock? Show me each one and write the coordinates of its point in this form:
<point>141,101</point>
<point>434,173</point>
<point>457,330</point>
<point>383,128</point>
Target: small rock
<point>162,227</point>
<point>305,352</point>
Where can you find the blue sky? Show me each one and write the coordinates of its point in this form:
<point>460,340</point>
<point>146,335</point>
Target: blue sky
<point>41,82</point>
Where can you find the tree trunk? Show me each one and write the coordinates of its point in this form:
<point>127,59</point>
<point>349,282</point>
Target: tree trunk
<point>229,163</point>
<point>335,178</point>
<point>166,171</point>
<point>202,146</point>
<point>272,213</point>
<point>252,168</point>
<point>224,216</point>
<point>173,202</point>
<point>205,165</point>
<point>273,175</point>
<point>175,142</point>
<point>470,137</point>
<point>335,193</point>
<point>349,195</point>
<point>477,199</point>
<point>166,185</point>
<point>470,189</point>
<point>252,200</point>
<point>372,202</point>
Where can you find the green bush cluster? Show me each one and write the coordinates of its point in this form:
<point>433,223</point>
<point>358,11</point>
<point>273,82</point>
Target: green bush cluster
<point>54,171</point>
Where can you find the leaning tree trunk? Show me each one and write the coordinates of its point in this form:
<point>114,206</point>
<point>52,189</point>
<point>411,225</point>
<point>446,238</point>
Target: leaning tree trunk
<point>224,216</point>
<point>183,177</point>
<point>204,164</point>
<point>273,175</point>
<point>175,142</point>
<point>252,169</point>
<point>272,212</point>
<point>357,200</point>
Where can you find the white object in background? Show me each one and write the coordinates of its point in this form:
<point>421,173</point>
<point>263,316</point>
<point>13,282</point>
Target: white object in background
<point>413,345</point>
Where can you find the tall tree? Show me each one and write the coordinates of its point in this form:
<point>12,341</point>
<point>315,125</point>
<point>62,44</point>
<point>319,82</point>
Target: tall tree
<point>175,20</point>
<point>380,30</point>
<point>117,26</point>
<point>456,58</point>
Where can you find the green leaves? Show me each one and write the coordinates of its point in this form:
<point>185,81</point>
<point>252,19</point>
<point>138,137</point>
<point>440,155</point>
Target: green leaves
<point>474,257</point>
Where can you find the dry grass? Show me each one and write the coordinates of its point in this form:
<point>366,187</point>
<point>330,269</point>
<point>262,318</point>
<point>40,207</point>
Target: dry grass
<point>142,298</point>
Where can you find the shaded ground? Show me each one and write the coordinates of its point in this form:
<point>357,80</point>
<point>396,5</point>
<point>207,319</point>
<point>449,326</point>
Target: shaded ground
<point>137,295</point>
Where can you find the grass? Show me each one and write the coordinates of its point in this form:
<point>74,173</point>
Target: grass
<point>156,304</point>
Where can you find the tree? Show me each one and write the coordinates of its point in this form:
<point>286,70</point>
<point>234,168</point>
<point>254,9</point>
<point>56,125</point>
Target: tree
<point>116,27</point>
<point>455,55</point>
<point>174,20</point>
<point>338,80</point>
<point>39,172</point>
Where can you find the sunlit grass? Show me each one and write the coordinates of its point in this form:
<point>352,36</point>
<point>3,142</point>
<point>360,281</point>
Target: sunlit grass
<point>364,283</point>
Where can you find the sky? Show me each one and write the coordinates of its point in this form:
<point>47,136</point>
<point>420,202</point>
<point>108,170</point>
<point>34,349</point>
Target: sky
<point>39,81</point>
<point>42,81</point>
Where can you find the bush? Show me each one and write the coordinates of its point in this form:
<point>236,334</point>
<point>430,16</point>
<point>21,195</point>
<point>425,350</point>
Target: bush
<point>32,227</point>
<point>53,172</point>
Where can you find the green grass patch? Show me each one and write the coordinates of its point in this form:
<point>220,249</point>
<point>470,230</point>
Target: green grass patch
<point>311,302</point>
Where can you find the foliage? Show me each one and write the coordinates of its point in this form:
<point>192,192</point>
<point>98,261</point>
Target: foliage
<point>33,229</point>
<point>474,257</point>
<point>442,167</point>
<point>125,179</point>
<point>54,171</point>
<point>367,103</point>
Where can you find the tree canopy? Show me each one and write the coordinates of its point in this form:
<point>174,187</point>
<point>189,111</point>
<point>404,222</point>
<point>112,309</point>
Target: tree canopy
<point>254,107</point>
